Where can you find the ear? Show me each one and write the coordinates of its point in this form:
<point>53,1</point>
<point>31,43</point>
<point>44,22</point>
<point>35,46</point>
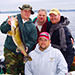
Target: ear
<point>50,41</point>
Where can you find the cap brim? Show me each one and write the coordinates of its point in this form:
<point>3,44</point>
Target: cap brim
<point>53,13</point>
<point>20,8</point>
<point>44,37</point>
<point>32,12</point>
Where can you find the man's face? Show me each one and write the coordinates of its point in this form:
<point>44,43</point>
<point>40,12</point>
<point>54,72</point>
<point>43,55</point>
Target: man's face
<point>42,16</point>
<point>54,18</point>
<point>43,43</point>
<point>25,14</point>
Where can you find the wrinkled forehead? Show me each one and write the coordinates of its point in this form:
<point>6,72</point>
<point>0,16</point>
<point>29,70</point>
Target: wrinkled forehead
<point>42,12</point>
<point>26,10</point>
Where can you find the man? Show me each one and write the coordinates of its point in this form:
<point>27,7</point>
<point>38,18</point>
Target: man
<point>46,60</point>
<point>13,60</point>
<point>41,21</point>
<point>61,37</point>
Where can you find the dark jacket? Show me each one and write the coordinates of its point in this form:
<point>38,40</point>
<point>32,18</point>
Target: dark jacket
<point>55,32</point>
<point>61,38</point>
<point>28,32</point>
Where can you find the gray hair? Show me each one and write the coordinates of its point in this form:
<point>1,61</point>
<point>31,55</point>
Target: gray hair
<point>42,10</point>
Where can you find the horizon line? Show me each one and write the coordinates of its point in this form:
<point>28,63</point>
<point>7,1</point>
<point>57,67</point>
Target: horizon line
<point>61,10</point>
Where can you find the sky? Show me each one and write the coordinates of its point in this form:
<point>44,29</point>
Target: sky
<point>37,4</point>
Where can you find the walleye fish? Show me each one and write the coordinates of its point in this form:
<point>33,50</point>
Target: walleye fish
<point>15,33</point>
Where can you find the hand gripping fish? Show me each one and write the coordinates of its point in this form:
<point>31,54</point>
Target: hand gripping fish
<point>15,33</point>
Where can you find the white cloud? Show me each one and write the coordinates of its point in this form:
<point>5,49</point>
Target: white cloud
<point>36,4</point>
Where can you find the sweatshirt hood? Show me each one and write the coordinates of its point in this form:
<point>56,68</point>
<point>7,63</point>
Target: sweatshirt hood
<point>64,21</point>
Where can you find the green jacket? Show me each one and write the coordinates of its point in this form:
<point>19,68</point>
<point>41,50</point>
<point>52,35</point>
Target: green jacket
<point>28,33</point>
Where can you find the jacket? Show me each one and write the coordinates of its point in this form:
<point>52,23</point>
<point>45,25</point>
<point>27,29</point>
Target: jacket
<point>28,32</point>
<point>62,33</point>
<point>61,38</point>
<point>47,62</point>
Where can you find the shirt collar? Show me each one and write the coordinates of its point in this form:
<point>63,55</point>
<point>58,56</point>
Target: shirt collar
<point>24,21</point>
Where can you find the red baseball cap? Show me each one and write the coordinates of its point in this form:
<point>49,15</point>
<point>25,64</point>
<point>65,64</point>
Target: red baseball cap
<point>45,35</point>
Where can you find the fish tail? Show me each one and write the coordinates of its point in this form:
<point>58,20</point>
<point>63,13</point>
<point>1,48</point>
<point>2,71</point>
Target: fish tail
<point>27,58</point>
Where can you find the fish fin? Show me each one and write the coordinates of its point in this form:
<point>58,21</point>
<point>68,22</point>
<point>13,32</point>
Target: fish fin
<point>9,33</point>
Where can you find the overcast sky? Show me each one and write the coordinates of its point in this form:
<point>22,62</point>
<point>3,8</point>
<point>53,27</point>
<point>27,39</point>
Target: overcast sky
<point>37,4</point>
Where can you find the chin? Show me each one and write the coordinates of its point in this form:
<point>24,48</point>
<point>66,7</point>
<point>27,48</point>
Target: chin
<point>53,22</point>
<point>43,47</point>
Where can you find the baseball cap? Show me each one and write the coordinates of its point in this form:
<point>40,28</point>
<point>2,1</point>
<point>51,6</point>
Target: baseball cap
<point>54,11</point>
<point>45,35</point>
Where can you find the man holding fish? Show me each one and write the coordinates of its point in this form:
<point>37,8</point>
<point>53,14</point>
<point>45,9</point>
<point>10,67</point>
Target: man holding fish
<point>22,34</point>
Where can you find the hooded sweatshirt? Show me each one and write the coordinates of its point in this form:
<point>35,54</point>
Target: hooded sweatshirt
<point>47,62</point>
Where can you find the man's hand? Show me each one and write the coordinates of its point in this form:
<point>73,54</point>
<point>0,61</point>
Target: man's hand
<point>26,49</point>
<point>72,40</point>
<point>9,20</point>
<point>18,50</point>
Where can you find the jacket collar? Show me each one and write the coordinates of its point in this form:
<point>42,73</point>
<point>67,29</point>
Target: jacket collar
<point>39,51</point>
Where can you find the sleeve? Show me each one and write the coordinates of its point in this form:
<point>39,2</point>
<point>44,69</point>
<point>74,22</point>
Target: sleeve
<point>69,37</point>
<point>62,67</point>
<point>32,39</point>
<point>5,27</point>
<point>27,70</point>
<point>68,32</point>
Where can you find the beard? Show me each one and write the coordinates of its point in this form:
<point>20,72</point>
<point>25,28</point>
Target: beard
<point>42,48</point>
